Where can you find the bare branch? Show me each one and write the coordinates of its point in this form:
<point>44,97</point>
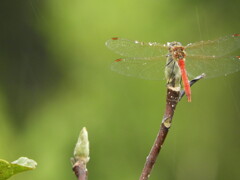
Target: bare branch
<point>173,97</point>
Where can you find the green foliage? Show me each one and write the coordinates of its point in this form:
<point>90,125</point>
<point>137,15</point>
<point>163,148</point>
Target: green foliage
<point>8,169</point>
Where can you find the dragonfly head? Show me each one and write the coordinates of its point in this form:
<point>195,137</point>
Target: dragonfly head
<point>174,43</point>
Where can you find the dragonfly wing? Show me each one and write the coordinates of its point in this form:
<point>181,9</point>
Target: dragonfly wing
<point>212,66</point>
<point>218,47</point>
<point>136,49</point>
<point>152,69</point>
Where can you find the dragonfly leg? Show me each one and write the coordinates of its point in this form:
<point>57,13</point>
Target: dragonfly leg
<point>172,73</point>
<point>171,76</point>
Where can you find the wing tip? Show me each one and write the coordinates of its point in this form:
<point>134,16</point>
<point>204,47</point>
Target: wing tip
<point>118,60</point>
<point>236,35</point>
<point>108,42</point>
<point>114,38</point>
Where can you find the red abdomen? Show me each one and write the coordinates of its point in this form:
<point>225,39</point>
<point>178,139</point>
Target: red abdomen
<point>186,84</point>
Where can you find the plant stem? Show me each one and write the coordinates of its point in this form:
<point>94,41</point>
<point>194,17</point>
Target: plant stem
<point>80,170</point>
<point>173,97</point>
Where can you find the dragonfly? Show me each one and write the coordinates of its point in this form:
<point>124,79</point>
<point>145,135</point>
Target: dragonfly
<point>147,60</point>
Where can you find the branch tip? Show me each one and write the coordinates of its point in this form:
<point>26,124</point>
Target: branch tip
<point>81,155</point>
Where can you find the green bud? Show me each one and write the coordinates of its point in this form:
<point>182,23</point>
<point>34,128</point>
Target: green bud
<point>81,151</point>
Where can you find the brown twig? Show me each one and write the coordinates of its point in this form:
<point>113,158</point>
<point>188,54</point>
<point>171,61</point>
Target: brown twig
<point>80,170</point>
<point>173,97</point>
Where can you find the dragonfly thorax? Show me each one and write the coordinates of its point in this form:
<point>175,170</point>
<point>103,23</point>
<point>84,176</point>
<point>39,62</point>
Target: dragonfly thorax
<point>176,50</point>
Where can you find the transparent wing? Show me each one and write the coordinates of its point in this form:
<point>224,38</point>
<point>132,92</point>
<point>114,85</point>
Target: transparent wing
<point>218,47</point>
<point>136,49</point>
<point>212,66</point>
<point>152,69</point>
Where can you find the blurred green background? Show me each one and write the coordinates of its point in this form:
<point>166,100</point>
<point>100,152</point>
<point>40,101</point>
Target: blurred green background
<point>55,78</point>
